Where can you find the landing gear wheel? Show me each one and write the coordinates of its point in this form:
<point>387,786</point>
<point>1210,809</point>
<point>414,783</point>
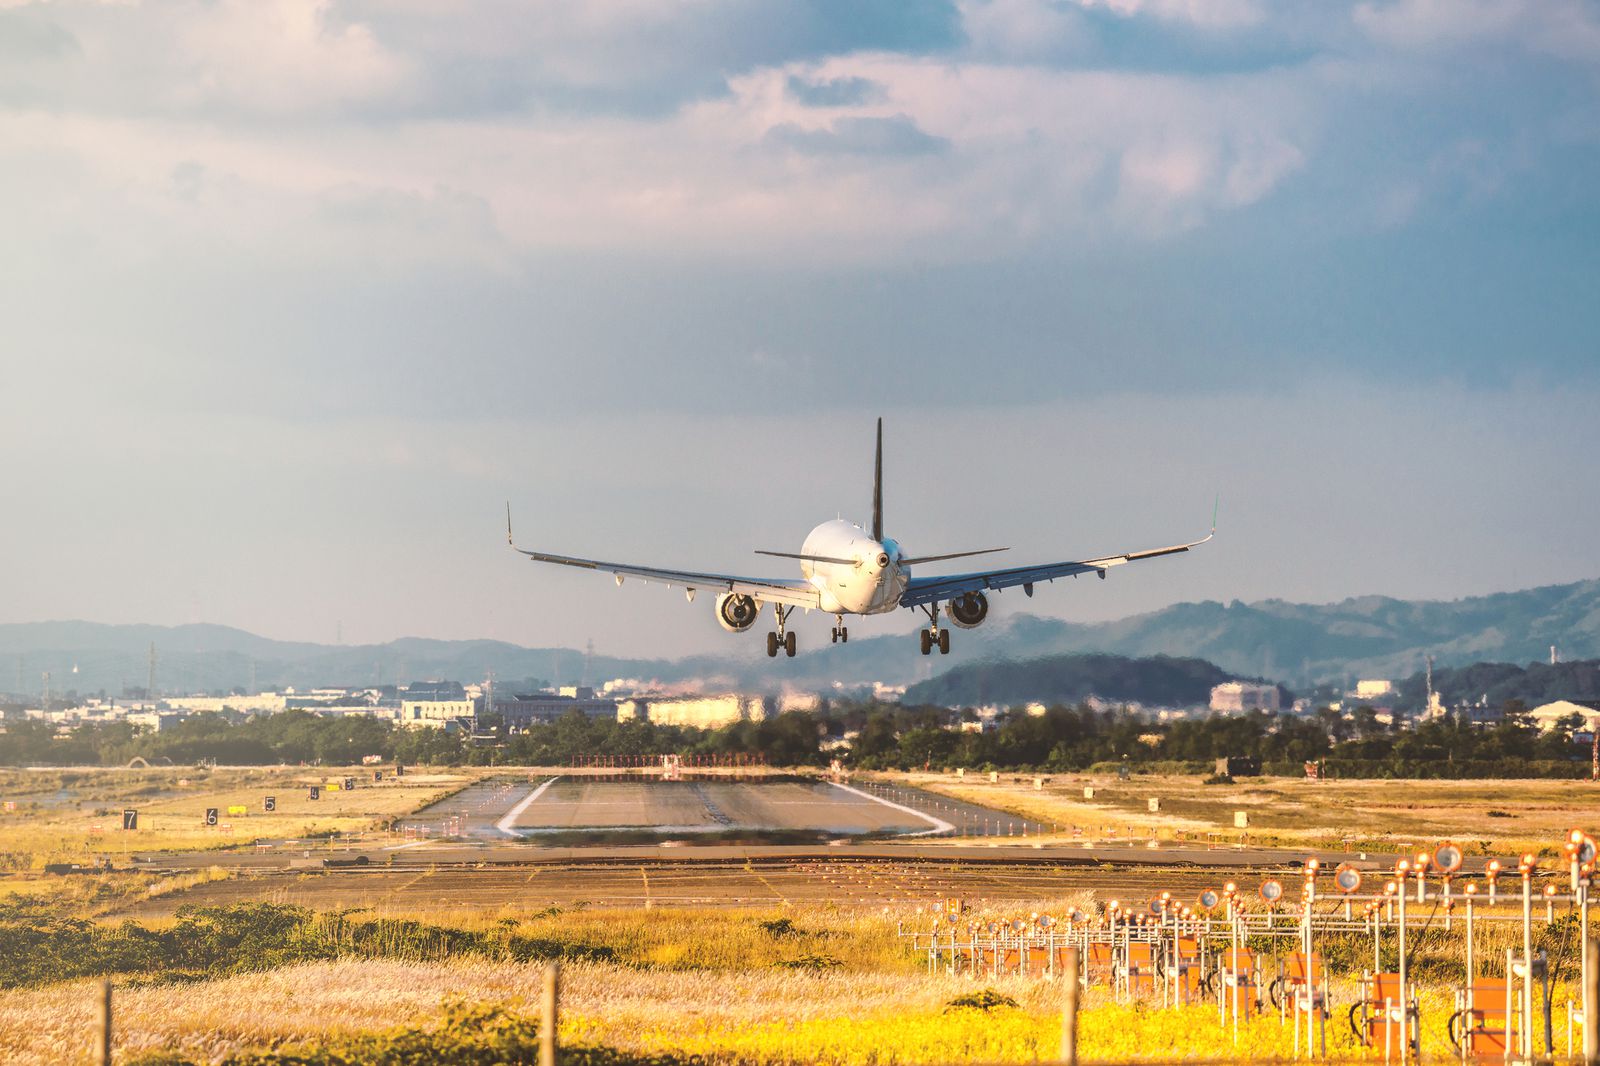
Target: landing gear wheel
<point>772,645</point>
<point>927,642</point>
<point>944,642</point>
<point>788,645</point>
<point>836,634</point>
<point>844,635</point>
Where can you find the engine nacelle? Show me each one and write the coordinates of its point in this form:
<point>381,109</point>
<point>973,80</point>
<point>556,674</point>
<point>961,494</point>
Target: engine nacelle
<point>737,612</point>
<point>969,610</point>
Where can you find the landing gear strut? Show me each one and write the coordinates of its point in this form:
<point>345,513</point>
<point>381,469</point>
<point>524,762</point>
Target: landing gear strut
<point>780,638</point>
<point>933,635</point>
<point>841,635</point>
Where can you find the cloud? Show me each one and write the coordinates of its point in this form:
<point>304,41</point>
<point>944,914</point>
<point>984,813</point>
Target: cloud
<point>896,135</point>
<point>1568,29</point>
<point>835,92</point>
<point>1208,14</point>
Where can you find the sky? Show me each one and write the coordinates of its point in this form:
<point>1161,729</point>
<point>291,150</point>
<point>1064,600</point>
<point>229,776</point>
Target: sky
<point>296,295</point>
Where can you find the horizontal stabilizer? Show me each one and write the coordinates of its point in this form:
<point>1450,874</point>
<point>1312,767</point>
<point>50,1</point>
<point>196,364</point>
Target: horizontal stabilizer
<point>810,558</point>
<point>952,555</point>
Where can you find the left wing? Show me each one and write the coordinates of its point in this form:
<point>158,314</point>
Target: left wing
<point>921,590</point>
<point>790,593</point>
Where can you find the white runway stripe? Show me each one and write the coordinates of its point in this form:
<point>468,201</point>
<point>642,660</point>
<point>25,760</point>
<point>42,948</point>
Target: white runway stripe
<point>939,824</point>
<point>505,824</point>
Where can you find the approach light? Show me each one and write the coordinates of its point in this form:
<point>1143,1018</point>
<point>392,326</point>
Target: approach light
<point>1471,889</point>
<point>1448,858</point>
<point>1347,878</point>
<point>1492,870</point>
<point>1402,867</point>
<point>1270,892</point>
<point>1550,890</point>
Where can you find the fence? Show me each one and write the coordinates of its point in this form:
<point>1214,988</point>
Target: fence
<point>1216,950</point>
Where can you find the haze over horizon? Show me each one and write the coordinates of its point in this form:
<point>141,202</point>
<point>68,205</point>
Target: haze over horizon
<point>298,293</point>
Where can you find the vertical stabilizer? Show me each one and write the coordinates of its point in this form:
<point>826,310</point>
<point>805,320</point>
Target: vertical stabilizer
<point>877,488</point>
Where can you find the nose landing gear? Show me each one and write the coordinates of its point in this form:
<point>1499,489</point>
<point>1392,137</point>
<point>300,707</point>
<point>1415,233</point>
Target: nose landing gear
<point>841,634</point>
<point>933,635</point>
<point>781,638</point>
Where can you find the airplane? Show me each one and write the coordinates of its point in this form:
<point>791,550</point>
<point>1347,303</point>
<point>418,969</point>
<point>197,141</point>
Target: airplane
<point>847,570</point>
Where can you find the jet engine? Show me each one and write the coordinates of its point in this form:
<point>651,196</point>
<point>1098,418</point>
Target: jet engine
<point>737,612</point>
<point>968,611</point>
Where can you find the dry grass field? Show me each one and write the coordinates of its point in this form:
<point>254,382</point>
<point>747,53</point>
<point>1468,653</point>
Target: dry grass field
<point>656,967</point>
<point>824,984</point>
<point>1486,817</point>
<point>76,815</point>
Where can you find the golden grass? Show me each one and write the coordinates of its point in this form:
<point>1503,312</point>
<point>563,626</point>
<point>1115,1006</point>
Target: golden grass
<point>1286,812</point>
<point>76,815</point>
<point>855,1019</point>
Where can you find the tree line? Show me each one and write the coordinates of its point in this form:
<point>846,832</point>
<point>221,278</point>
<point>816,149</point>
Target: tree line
<point>880,736</point>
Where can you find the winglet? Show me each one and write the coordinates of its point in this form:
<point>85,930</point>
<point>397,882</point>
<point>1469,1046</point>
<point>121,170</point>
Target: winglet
<point>508,525</point>
<point>1215,503</point>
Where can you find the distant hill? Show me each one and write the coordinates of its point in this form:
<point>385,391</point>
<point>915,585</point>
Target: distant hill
<point>1158,681</point>
<point>1493,684</point>
<point>1372,636</point>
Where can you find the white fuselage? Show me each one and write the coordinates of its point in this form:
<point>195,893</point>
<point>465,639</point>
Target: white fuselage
<point>873,580</point>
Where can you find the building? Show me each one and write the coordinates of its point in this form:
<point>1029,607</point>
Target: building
<point>1374,689</point>
<point>522,711</point>
<point>1549,715</point>
<point>1236,697</point>
<point>261,703</point>
<point>437,705</point>
<point>701,712</point>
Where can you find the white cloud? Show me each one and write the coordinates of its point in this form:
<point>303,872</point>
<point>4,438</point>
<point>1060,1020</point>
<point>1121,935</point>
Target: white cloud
<point>1209,14</point>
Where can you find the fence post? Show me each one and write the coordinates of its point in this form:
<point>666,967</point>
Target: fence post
<point>1069,1011</point>
<point>550,1017</point>
<point>105,1023</point>
<point>1591,1006</point>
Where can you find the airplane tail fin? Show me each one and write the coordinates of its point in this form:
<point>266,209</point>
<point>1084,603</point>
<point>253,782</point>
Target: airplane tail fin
<point>877,488</point>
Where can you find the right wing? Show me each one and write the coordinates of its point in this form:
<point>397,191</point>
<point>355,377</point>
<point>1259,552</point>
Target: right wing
<point>923,590</point>
<point>790,593</point>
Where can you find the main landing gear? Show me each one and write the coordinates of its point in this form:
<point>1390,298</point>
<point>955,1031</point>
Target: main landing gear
<point>841,635</point>
<point>933,635</point>
<point>780,638</point>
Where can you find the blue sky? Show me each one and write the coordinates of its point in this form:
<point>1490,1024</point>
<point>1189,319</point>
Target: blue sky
<point>297,292</point>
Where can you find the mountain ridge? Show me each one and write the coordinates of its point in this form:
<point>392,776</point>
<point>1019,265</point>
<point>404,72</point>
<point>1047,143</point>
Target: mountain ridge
<point>1373,636</point>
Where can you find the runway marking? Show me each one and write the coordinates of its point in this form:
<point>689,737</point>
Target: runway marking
<point>939,824</point>
<point>504,824</point>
